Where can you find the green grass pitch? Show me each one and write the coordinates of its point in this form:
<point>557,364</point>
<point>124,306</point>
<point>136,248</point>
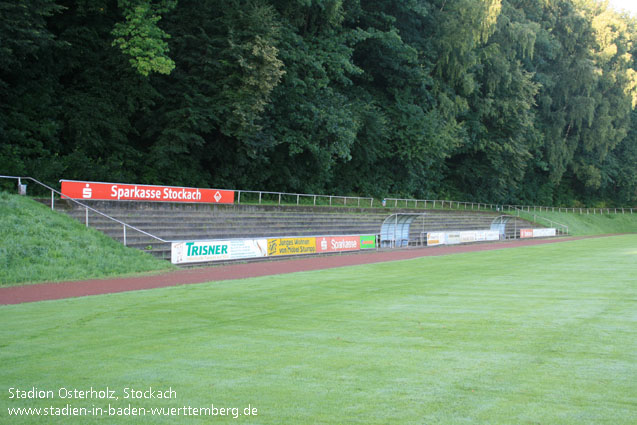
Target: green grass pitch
<point>535,335</point>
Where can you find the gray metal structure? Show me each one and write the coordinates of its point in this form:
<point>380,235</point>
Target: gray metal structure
<point>394,232</point>
<point>500,224</point>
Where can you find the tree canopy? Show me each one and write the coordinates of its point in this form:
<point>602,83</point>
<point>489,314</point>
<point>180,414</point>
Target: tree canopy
<point>512,101</point>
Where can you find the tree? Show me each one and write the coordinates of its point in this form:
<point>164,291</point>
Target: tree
<point>501,120</point>
<point>28,125</point>
<point>141,38</point>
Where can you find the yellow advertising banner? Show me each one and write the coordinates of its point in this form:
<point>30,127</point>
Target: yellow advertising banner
<point>291,246</point>
<point>435,238</point>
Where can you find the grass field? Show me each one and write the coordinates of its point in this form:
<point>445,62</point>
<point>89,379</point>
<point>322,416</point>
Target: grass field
<point>535,335</point>
<point>40,245</point>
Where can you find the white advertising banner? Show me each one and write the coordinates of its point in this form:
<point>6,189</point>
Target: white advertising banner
<point>492,235</point>
<point>466,237</point>
<point>217,250</point>
<point>487,235</point>
<point>453,238</point>
<point>435,238</point>
<point>544,233</point>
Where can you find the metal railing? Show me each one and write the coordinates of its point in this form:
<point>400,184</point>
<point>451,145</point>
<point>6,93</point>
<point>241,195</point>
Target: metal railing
<point>561,229</point>
<point>281,197</point>
<point>292,198</point>
<point>287,198</point>
<point>86,208</point>
<point>440,204</point>
<point>459,205</point>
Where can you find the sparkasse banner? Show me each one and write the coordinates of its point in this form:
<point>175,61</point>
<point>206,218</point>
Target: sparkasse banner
<point>338,243</point>
<point>526,233</point>
<point>134,192</point>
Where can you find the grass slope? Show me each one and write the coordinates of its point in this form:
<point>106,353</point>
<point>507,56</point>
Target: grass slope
<point>543,334</point>
<point>591,224</point>
<point>39,245</point>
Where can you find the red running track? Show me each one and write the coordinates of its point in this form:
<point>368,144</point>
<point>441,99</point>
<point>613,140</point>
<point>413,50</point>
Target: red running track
<point>55,291</point>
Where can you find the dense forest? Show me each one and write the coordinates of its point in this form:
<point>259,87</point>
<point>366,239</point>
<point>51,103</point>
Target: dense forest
<point>516,101</point>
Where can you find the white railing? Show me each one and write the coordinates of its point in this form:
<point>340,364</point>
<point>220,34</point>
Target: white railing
<point>458,205</point>
<point>291,198</point>
<point>286,198</point>
<point>86,208</point>
<point>439,204</point>
<point>561,229</point>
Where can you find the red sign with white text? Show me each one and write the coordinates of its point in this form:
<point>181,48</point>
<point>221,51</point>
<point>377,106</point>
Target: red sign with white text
<point>135,192</point>
<point>338,243</point>
<point>526,233</point>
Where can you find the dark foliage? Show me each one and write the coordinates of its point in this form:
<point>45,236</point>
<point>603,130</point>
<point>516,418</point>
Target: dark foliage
<point>496,101</point>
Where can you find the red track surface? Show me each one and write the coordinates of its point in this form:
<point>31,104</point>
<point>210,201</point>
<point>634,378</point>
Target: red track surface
<point>54,291</point>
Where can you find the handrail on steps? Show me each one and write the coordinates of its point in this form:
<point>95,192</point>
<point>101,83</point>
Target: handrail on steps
<point>563,230</point>
<point>86,207</point>
<point>564,227</point>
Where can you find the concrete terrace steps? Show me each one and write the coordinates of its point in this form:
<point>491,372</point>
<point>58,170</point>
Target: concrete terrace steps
<point>185,217</point>
<point>257,226</point>
<point>235,218</point>
<point>273,228</point>
<point>132,236</point>
<point>161,220</point>
<point>178,222</point>
<point>240,218</point>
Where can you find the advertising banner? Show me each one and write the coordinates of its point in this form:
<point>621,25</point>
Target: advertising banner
<point>435,238</point>
<point>368,242</point>
<point>133,192</point>
<point>526,233</point>
<point>492,235</point>
<point>543,233</point>
<point>453,238</point>
<point>466,237</point>
<point>291,246</point>
<point>537,233</point>
<point>236,249</point>
<point>337,243</point>
<point>217,250</point>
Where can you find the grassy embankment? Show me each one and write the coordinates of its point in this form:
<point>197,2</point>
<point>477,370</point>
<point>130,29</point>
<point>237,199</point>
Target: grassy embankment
<point>40,245</point>
<point>590,224</point>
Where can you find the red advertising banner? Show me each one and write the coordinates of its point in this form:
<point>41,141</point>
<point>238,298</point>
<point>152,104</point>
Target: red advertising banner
<point>338,243</point>
<point>526,233</point>
<point>134,192</point>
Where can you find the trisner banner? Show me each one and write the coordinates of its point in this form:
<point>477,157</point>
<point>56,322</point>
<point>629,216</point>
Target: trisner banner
<point>217,250</point>
<point>134,192</point>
